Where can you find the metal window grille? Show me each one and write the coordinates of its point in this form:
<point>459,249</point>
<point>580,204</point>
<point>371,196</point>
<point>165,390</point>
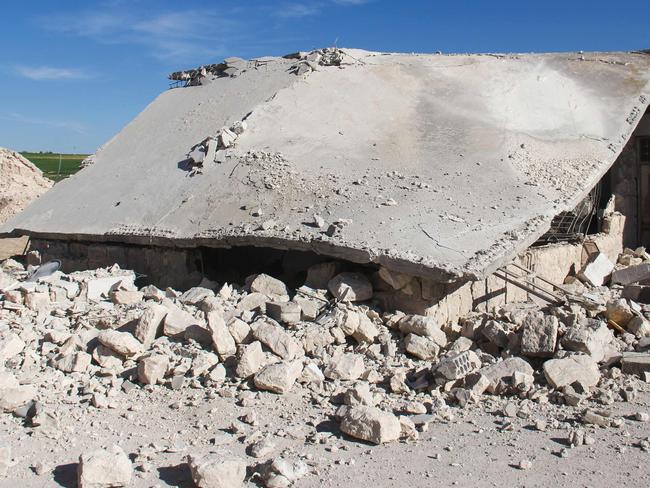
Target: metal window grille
<point>573,225</point>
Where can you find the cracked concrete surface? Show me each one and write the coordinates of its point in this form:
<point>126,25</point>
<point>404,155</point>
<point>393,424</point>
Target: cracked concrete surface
<point>441,166</point>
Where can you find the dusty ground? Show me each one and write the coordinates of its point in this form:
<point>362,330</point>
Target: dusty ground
<point>474,449</point>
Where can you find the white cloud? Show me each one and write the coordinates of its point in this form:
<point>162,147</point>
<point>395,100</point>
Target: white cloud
<point>181,35</point>
<point>352,2</point>
<point>70,125</point>
<point>294,10</point>
<point>50,73</point>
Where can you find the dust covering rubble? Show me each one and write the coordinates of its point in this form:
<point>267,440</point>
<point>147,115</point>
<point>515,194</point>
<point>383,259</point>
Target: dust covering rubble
<point>73,344</point>
<point>20,183</point>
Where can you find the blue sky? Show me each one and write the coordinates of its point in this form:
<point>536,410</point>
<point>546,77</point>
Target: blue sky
<point>75,72</point>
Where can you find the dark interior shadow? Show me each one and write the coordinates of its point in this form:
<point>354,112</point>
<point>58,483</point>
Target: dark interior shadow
<point>66,475</point>
<point>179,475</point>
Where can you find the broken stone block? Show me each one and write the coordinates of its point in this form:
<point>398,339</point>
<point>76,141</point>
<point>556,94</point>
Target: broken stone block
<point>638,293</point>
<point>227,138</point>
<point>596,418</point>
<point>350,287</point>
<point>315,338</point>
<point>196,295</point>
<point>13,397</point>
<point>121,342</point>
<point>278,377</point>
<point>222,341</point>
<point>457,366</point>
<point>597,271</point>
<point>177,321</point>
<point>126,297</point>
<point>311,374</point>
<point>502,372</point>
<point>348,366</point>
<point>619,312</point>
<point>152,369</point>
<point>77,362</point>
<point>272,335</point>
<point>239,330</point>
<point>421,347</point>
<point>635,363</point>
<point>37,301</point>
<point>319,275</point>
<point>590,337</point>
<point>104,468</point>
<point>107,358</point>
<point>96,288</point>
<point>539,335</point>
<point>578,368</point>
<point>631,274</point>
<point>394,279</point>
<point>287,312</point>
<point>366,331</point>
<point>269,286</point>
<point>639,326</point>
<point>150,324</point>
<point>311,303</point>
<point>202,362</point>
<point>217,472</point>
<point>284,472</point>
<point>359,394</point>
<point>250,361</point>
<point>253,301</point>
<point>495,333</point>
<point>423,326</point>
<point>10,345</point>
<point>371,424</point>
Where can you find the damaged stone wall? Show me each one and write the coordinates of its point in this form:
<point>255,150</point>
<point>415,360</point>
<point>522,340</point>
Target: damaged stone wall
<point>624,180</point>
<point>173,267</point>
<point>447,302</point>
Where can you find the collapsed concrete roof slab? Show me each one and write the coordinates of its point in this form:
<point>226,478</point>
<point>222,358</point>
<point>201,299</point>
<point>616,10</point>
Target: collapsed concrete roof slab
<point>439,166</point>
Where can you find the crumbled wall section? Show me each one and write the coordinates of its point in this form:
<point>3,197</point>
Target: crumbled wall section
<point>178,268</point>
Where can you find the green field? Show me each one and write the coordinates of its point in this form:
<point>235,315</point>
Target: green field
<point>48,163</point>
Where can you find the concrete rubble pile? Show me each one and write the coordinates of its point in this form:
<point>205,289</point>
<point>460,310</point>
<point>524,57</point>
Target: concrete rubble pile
<point>213,148</point>
<point>230,67</point>
<point>88,337</point>
<point>20,183</point>
<point>308,62</point>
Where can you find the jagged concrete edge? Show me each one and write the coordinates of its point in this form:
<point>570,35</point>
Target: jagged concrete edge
<point>429,270</point>
<point>433,271</point>
<point>571,203</point>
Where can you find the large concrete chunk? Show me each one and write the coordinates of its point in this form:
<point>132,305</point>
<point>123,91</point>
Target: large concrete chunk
<point>217,472</point>
<point>635,363</point>
<point>503,371</point>
<point>591,338</point>
<point>269,333</point>
<point>574,369</point>
<point>104,469</point>
<point>597,271</point>
<point>371,424</point>
<point>150,324</point>
<point>453,112</point>
<point>631,274</point>
<point>539,335</point>
<point>278,377</point>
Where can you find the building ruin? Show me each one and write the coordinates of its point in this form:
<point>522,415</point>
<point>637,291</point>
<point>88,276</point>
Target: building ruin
<point>437,170</point>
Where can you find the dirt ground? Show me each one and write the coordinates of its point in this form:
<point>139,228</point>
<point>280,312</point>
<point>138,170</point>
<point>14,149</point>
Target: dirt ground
<point>476,448</point>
